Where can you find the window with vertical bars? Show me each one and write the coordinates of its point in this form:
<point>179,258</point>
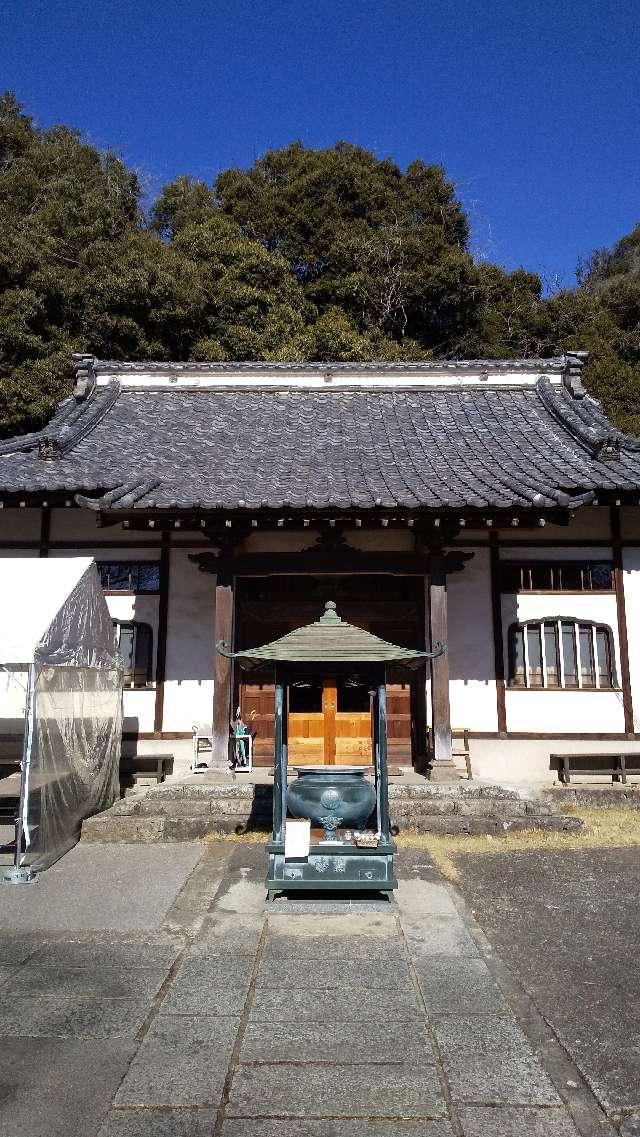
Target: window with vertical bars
<point>557,576</point>
<point>561,653</point>
<point>130,576</point>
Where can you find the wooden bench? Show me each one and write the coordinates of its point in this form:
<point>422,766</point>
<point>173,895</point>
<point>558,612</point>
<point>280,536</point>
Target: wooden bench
<point>155,766</point>
<point>615,765</point>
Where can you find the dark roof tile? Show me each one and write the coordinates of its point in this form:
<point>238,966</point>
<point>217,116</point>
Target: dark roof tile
<point>224,448</point>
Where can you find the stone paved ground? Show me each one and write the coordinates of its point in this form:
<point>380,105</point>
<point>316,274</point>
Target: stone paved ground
<point>196,1013</point>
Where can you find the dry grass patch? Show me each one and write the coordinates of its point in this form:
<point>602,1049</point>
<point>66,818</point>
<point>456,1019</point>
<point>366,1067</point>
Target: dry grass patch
<point>603,829</point>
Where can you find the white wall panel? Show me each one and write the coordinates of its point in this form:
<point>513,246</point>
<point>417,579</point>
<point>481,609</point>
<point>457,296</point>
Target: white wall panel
<point>471,662</point>
<point>631,577</point>
<point>188,693</point>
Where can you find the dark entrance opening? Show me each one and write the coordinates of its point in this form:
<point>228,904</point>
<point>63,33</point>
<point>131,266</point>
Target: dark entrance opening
<point>331,716</point>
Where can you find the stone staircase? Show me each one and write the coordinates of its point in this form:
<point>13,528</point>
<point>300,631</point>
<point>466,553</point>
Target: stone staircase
<point>188,811</point>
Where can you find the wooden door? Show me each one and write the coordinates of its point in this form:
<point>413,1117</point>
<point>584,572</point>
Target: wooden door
<point>306,722</point>
<point>354,722</point>
<point>353,738</point>
<point>325,725</point>
<point>257,705</point>
<point>323,734</point>
<point>399,722</point>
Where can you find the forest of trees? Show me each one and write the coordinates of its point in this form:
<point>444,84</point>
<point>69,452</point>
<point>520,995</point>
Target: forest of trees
<point>309,255</point>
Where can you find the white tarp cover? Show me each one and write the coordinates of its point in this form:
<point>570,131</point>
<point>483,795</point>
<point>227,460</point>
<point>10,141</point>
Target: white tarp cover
<point>54,622</point>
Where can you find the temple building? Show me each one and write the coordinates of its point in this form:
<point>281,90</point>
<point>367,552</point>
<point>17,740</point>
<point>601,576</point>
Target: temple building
<point>488,505</point>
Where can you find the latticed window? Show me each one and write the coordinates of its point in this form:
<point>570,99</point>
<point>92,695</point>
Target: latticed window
<point>561,653</point>
<point>557,576</point>
<point>135,644</point>
<point>129,576</point>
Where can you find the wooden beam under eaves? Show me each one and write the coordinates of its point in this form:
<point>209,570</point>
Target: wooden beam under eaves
<point>446,526</point>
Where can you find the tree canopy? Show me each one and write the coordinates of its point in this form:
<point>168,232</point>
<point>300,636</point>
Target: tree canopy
<point>309,255</point>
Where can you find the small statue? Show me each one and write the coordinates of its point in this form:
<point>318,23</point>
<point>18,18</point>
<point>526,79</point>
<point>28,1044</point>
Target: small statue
<point>241,734</point>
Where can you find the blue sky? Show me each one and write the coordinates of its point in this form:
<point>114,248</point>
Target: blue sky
<point>533,108</point>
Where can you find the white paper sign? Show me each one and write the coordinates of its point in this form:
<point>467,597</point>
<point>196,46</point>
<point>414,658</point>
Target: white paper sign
<point>297,839</point>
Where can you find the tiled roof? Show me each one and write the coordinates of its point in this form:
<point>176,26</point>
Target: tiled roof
<point>472,446</point>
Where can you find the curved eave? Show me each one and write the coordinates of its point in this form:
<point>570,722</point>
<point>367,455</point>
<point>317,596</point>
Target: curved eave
<point>251,660</point>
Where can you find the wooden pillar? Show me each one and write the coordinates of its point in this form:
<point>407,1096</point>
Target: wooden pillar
<point>419,718</point>
<point>163,620</point>
<point>442,764</point>
<point>618,580</point>
<point>222,673</point>
<point>498,641</point>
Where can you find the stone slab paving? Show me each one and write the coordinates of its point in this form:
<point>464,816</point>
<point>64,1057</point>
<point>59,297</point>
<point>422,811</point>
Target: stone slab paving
<point>122,886</point>
<point>159,1123</point>
<point>70,1018</point>
<point>58,1087</point>
<point>218,1016</point>
<point>183,1060</point>
<point>248,1127</point>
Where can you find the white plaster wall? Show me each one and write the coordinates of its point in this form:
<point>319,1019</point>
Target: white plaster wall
<point>577,712</point>
<point>528,760</point>
<point>472,689</point>
<point>188,693</point>
<point>19,524</point>
<point>138,705</point>
<point>565,712</point>
<point>13,685</point>
<point>631,577</point>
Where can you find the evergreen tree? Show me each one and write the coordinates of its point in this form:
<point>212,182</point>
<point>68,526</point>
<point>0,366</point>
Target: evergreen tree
<point>309,255</point>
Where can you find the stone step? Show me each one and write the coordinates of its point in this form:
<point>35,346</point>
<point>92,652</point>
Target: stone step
<point>578,794</point>
<point>106,828</point>
<point>403,810</point>
<point>186,811</point>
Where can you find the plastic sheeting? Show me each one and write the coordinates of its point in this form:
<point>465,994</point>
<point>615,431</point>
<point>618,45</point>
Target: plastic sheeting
<point>73,718</point>
<point>73,765</point>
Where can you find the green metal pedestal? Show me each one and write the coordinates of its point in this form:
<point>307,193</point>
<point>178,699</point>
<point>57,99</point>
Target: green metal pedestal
<point>332,867</point>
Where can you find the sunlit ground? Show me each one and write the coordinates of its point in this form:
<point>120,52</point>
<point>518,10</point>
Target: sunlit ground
<point>603,829</point>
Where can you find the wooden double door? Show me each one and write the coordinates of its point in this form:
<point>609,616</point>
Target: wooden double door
<point>329,720</point>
